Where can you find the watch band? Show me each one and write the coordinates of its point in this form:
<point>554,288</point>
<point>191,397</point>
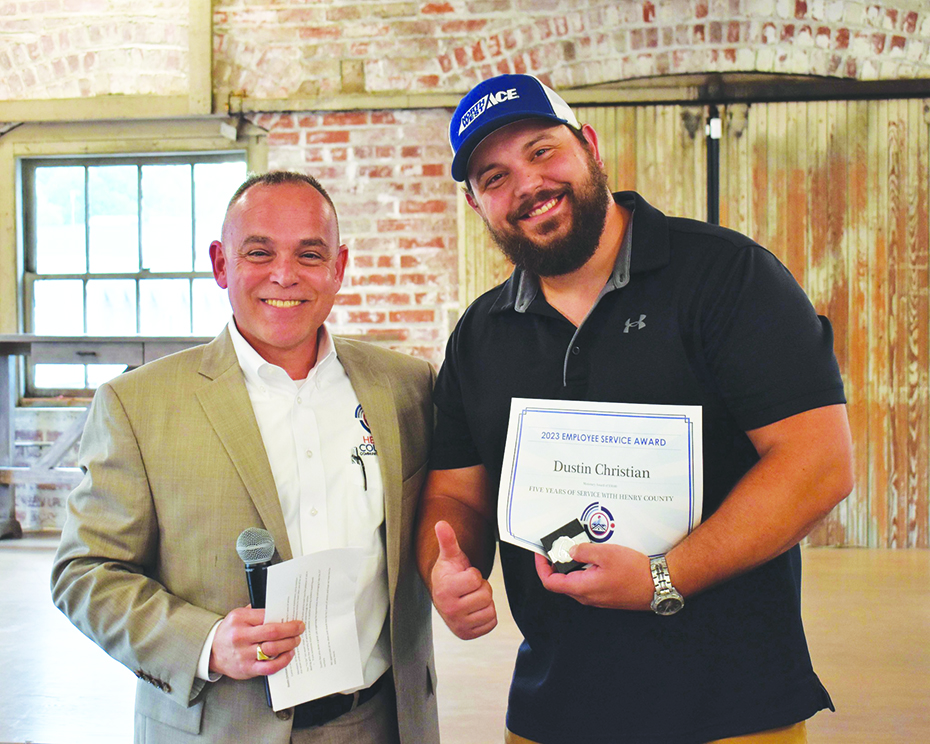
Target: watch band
<point>667,599</point>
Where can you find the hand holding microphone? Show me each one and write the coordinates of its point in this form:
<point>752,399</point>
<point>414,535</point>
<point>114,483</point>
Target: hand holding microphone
<point>242,634</point>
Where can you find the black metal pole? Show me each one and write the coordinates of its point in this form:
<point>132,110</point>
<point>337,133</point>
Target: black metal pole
<point>712,132</point>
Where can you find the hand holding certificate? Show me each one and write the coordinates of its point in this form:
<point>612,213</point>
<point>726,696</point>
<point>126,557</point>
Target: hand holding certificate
<point>631,474</point>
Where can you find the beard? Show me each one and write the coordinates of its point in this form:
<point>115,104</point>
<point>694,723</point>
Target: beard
<point>555,256</point>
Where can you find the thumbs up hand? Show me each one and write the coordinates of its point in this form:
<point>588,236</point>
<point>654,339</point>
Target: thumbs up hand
<point>461,595</point>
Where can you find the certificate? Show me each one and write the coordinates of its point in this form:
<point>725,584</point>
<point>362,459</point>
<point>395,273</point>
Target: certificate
<point>632,474</point>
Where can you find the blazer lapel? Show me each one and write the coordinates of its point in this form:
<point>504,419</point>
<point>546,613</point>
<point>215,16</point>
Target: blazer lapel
<point>226,403</point>
<point>376,397</point>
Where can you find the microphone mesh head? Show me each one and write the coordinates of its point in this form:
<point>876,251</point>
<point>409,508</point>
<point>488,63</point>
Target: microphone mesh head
<point>255,545</point>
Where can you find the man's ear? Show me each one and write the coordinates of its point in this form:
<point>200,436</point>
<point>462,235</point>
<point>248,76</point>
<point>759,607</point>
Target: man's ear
<point>591,137</point>
<point>472,202</point>
<point>218,260</point>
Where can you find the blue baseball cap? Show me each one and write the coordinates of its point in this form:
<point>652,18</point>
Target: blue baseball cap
<point>498,101</point>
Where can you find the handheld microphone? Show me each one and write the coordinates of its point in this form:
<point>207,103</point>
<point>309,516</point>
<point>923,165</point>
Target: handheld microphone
<point>255,547</point>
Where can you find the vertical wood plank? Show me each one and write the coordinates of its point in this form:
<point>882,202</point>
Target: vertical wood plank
<point>857,371</point>
<point>879,322</point>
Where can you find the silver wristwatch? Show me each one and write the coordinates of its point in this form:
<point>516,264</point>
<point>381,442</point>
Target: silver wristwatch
<point>667,600</point>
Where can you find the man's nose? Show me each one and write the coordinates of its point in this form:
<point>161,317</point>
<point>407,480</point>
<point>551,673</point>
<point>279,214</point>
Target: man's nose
<point>527,180</point>
<point>284,272</point>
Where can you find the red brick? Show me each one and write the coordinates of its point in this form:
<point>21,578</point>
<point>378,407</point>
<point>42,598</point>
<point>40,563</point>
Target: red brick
<point>412,316</point>
<point>410,243</point>
<point>374,280</point>
<point>307,122</point>
<point>298,15</point>
<point>393,298</point>
<point>700,11</point>
<point>561,26</point>
<point>698,34</point>
<point>397,225</point>
<point>417,279</point>
<point>431,8</point>
<point>348,299</point>
<point>878,43</point>
<point>842,38</point>
<point>284,138</point>
<point>376,171</point>
<point>649,12</point>
<point>385,262</point>
<point>327,137</point>
<point>733,32</point>
<point>365,316</point>
<point>445,62</point>
<point>428,81</point>
<point>897,42</point>
<point>729,55</point>
<point>519,65</point>
<point>345,119</point>
<point>494,45</point>
<point>320,32</point>
<point>383,117</point>
<point>909,24</point>
<point>409,262</point>
<point>800,9</point>
<point>435,206</point>
<point>477,53</point>
<point>503,67</point>
<point>510,41</point>
<point>363,262</point>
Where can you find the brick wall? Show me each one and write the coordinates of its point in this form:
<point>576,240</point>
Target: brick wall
<point>82,48</point>
<point>388,174</point>
<point>295,49</point>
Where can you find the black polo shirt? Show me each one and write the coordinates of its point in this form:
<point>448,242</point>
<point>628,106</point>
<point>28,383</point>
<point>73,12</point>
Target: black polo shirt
<point>694,314</point>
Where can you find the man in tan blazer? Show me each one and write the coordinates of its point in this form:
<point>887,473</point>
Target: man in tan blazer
<point>180,456</point>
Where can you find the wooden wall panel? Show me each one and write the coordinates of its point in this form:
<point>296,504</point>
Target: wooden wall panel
<point>838,190</point>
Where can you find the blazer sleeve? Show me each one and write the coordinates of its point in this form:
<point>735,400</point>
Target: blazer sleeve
<point>101,576</point>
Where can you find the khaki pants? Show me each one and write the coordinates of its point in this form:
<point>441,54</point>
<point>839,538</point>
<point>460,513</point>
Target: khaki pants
<point>796,734</point>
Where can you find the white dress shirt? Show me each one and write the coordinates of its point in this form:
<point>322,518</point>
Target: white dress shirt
<point>325,466</point>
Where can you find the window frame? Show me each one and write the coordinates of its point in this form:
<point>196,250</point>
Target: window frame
<point>62,142</point>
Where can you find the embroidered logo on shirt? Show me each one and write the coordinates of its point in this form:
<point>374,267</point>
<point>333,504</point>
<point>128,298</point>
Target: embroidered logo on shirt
<point>641,323</point>
<point>367,447</point>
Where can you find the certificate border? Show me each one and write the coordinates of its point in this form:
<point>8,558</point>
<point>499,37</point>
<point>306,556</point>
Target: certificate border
<point>689,422</point>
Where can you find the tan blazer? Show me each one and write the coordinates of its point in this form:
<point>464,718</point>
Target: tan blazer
<point>175,470</point>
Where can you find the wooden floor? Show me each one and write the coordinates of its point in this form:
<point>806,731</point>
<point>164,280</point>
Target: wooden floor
<point>867,614</point>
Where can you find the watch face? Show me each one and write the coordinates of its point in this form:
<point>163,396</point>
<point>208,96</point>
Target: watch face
<point>668,605</point>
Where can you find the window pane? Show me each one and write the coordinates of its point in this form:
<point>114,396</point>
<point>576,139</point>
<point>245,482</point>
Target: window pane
<point>59,307</point>
<point>60,376</point>
<point>60,220</point>
<point>97,374</point>
<point>111,307</point>
<point>165,307</point>
<point>211,308</point>
<point>113,191</point>
<point>166,218</point>
<point>214,185</point>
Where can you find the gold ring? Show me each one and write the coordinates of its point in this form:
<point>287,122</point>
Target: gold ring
<point>261,655</point>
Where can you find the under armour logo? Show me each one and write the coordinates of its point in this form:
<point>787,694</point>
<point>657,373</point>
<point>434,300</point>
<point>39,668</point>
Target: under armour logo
<point>635,324</point>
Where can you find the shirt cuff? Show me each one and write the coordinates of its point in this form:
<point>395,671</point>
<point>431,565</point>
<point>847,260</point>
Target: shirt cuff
<point>203,665</point>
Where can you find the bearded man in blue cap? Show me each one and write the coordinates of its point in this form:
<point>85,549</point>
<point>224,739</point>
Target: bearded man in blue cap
<point>613,301</point>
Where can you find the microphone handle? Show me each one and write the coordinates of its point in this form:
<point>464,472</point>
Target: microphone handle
<point>256,576</point>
